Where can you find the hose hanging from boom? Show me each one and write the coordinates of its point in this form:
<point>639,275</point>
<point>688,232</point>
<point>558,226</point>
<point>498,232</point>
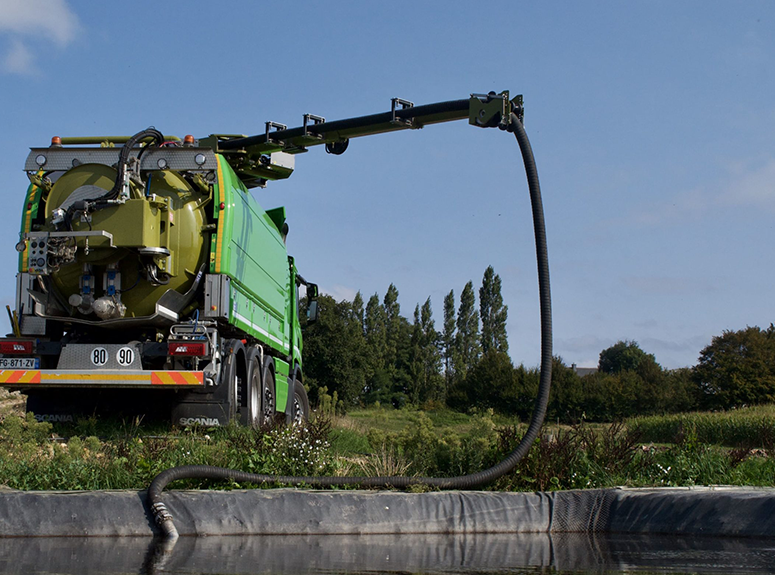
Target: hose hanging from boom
<point>163,517</point>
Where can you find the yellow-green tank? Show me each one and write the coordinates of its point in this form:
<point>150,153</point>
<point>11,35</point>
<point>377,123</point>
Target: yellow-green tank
<point>163,223</point>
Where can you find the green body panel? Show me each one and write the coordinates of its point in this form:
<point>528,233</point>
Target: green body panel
<point>249,248</point>
<point>277,215</point>
<point>29,213</point>
<point>281,384</point>
<point>296,340</point>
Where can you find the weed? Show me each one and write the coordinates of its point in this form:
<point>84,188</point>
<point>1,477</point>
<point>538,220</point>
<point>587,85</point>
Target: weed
<point>385,462</point>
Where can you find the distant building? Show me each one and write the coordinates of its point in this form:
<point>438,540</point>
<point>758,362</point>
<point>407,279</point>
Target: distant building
<point>582,371</point>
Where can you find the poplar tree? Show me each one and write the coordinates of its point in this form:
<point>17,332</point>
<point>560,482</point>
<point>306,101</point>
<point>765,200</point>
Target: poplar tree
<point>493,313</point>
<point>376,338</point>
<point>426,357</point>
<point>392,312</point>
<point>434,384</point>
<point>467,339</point>
<point>357,310</point>
<point>448,337</point>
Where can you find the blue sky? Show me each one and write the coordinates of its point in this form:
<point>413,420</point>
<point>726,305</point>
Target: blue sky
<point>653,125</point>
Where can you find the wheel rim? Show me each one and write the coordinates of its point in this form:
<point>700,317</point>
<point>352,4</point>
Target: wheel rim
<point>254,409</point>
<point>298,411</point>
<point>238,394</point>
<point>268,407</point>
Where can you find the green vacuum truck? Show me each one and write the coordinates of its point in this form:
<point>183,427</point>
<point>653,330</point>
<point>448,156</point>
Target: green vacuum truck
<point>146,264</point>
<point>151,280</point>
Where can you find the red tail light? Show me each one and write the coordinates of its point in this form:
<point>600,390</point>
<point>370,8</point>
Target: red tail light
<point>15,347</point>
<point>187,348</point>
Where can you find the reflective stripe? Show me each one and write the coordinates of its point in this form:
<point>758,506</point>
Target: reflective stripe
<point>221,225</point>
<point>260,330</point>
<point>19,376</point>
<point>95,376</point>
<point>177,378</point>
<point>98,377</point>
<point>28,220</point>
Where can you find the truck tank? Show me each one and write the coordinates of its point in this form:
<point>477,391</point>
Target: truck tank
<point>156,242</point>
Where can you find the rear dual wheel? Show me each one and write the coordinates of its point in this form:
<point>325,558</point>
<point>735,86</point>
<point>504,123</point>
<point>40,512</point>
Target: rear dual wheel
<point>268,397</point>
<point>300,405</point>
<point>252,390</point>
<point>259,410</point>
<point>252,410</point>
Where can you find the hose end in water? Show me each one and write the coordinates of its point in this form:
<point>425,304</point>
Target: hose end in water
<point>163,519</point>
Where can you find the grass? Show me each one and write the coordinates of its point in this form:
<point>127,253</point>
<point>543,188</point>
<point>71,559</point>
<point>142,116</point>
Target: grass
<point>126,454</point>
<point>37,455</point>
<point>391,420</point>
<point>746,427</point>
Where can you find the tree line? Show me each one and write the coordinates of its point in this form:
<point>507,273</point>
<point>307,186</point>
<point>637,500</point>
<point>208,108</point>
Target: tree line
<point>367,352</point>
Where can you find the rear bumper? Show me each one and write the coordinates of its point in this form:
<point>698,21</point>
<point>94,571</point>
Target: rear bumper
<point>98,378</point>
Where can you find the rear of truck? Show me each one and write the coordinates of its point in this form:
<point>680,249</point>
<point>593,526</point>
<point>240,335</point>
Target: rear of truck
<point>151,280</point>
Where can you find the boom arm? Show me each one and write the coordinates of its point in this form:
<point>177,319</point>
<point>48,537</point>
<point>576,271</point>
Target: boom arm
<point>268,156</point>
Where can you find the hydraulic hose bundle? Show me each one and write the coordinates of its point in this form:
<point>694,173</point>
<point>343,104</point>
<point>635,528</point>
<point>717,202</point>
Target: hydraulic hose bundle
<point>122,177</point>
<point>123,160</point>
<point>163,517</point>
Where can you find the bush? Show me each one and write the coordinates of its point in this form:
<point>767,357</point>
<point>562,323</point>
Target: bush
<point>128,459</point>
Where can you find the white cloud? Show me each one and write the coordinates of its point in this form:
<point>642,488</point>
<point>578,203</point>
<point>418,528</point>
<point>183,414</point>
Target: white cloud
<point>670,285</point>
<point>339,292</point>
<point>40,18</point>
<point>19,60</point>
<point>37,20</point>
<point>583,350</point>
<point>744,187</point>
<point>755,188</point>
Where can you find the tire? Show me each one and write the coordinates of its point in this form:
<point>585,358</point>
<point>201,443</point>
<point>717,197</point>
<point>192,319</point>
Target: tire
<point>268,397</point>
<point>235,379</point>
<point>299,414</point>
<point>252,412</point>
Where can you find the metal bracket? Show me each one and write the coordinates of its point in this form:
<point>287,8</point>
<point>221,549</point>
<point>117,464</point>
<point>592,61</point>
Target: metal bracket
<point>315,121</point>
<point>306,138</point>
<point>490,110</point>
<point>278,127</point>
<point>404,105</point>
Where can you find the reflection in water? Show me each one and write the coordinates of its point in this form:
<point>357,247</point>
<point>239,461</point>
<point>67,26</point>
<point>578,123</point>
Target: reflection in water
<point>517,553</point>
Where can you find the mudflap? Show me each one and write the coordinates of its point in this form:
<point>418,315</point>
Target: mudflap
<point>205,414</point>
<point>212,409</point>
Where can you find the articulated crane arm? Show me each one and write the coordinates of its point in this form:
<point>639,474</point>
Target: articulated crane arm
<point>248,156</point>
<point>269,156</point>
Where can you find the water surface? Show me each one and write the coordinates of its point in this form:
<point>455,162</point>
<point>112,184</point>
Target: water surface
<point>433,554</point>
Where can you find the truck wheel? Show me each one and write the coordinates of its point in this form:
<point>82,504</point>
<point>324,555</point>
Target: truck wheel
<point>268,401</point>
<point>252,413</point>
<point>235,378</point>
<point>300,406</point>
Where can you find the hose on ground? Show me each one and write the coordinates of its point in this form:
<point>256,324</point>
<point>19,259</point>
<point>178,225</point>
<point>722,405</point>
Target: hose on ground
<point>164,519</point>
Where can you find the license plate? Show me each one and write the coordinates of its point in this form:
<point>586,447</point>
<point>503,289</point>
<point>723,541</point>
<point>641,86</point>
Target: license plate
<point>19,362</point>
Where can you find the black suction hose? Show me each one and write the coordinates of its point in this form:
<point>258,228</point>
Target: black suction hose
<point>164,519</point>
